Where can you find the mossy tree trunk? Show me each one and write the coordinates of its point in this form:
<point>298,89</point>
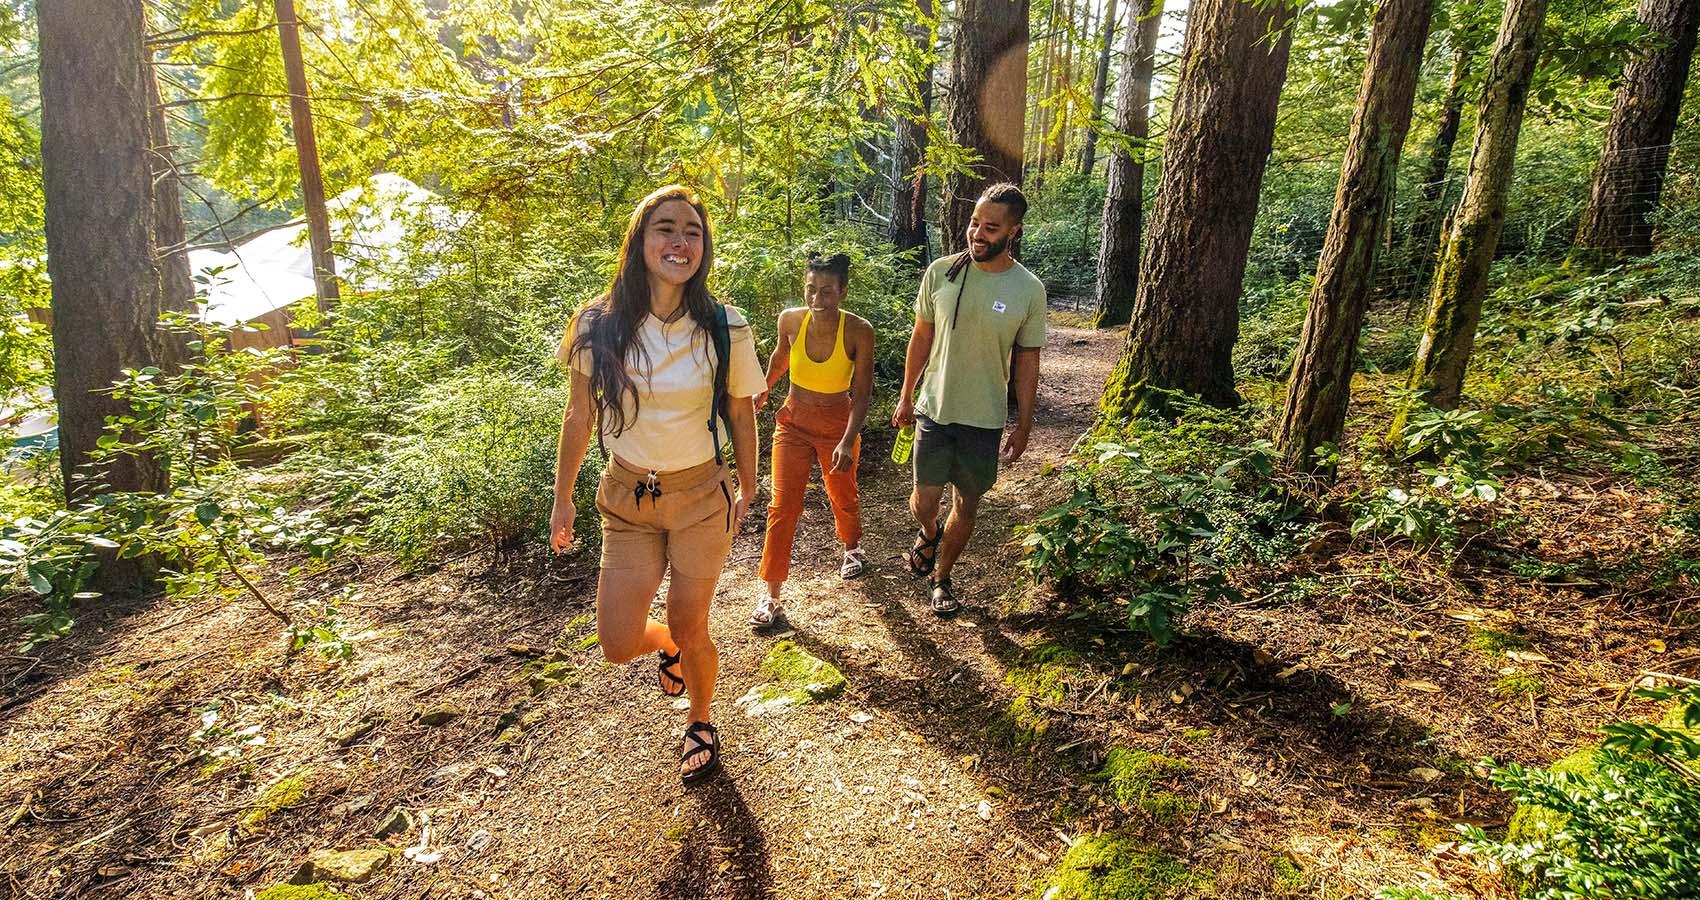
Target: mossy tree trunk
<point>1122,224</point>
<point>1186,309</point>
<point>102,253</point>
<point>1320,386</point>
<point>1466,255</point>
<point>987,99</point>
<point>908,178</point>
<point>1424,236</point>
<point>1100,83</point>
<point>1630,175</point>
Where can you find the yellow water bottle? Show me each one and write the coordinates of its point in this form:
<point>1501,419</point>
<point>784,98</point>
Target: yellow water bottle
<point>901,447</point>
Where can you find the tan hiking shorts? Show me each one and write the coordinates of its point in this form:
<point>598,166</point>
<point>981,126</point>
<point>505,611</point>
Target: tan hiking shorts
<point>653,519</point>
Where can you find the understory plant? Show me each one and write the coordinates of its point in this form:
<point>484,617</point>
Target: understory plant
<point>1158,518</point>
<point>1627,825</point>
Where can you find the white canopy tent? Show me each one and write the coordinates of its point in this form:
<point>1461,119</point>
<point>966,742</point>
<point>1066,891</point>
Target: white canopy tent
<point>271,271</point>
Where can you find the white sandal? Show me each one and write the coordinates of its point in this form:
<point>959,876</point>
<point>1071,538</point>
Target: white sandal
<point>769,610</point>
<point>855,562</point>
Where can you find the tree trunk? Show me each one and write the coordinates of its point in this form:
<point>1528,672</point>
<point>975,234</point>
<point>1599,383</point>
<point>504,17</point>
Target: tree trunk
<point>1060,93</point>
<point>307,155</point>
<point>1424,236</point>
<point>1186,310</point>
<point>1100,82</point>
<point>1320,387</point>
<point>1460,279</point>
<point>908,178</point>
<point>1631,172</point>
<point>987,98</point>
<point>171,238</point>
<point>1124,196</point>
<point>101,253</point>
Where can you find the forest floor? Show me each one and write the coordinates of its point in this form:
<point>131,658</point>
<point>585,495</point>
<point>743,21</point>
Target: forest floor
<point>1318,744</point>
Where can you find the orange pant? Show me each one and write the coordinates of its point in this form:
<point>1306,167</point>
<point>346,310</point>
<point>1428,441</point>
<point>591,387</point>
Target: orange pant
<point>802,435</point>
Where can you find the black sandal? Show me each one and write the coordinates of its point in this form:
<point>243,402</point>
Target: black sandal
<point>944,600</point>
<point>922,566</point>
<point>669,676</point>
<point>696,743</point>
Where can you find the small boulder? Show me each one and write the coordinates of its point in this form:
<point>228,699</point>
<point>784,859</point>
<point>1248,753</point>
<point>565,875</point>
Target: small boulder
<point>440,714</point>
<point>349,866</point>
<point>399,821</point>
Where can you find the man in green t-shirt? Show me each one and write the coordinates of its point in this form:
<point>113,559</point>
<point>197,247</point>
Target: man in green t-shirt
<point>972,311</point>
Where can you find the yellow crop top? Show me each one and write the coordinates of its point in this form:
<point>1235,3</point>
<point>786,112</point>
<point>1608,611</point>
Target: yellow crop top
<point>829,377</point>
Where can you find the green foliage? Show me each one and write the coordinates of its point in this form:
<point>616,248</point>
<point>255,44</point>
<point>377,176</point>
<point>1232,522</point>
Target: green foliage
<point>1158,520</point>
<point>1059,241</point>
<point>475,468</point>
<point>55,557</point>
<point>1454,477</point>
<point>1626,826</point>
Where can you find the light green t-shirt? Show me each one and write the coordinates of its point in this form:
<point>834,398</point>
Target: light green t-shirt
<point>967,380</point>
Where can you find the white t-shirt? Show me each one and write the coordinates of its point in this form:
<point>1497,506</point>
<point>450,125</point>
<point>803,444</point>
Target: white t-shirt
<point>671,364</point>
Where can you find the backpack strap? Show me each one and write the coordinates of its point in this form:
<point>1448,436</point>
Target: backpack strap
<point>722,335</point>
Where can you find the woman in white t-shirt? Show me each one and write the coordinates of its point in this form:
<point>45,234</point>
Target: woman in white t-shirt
<point>643,362</point>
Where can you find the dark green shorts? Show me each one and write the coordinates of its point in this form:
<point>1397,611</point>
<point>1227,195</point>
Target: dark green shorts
<point>961,455</point>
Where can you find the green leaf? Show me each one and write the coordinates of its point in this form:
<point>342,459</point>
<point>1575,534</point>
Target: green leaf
<point>38,580</point>
<point>208,512</point>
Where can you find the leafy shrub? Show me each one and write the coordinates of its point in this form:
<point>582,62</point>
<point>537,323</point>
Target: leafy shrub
<point>1627,826</point>
<point>1453,478</point>
<point>1160,519</point>
<point>476,468</point>
<point>1270,321</point>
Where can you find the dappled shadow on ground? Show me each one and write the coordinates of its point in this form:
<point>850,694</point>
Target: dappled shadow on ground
<point>727,860</point>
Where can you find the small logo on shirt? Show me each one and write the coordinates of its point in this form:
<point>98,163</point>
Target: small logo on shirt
<point>999,307</point>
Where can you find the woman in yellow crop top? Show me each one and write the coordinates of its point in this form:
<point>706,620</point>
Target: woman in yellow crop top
<point>821,420</point>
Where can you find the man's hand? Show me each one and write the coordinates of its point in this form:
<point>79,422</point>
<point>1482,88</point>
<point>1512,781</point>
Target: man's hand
<point>904,415</point>
<point>843,455</point>
<point>1013,446</point>
<point>561,527</point>
<point>761,400</point>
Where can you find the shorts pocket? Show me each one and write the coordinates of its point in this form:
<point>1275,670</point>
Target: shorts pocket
<point>726,493</point>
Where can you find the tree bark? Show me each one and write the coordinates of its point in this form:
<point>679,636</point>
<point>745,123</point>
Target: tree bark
<point>908,178</point>
<point>1124,197</point>
<point>1630,175</point>
<point>307,155</point>
<point>1186,309</point>
<point>987,98</point>
<point>101,251</point>
<point>171,237</point>
<point>1460,280</point>
<point>1100,83</point>
<point>1424,236</point>
<point>1320,386</point>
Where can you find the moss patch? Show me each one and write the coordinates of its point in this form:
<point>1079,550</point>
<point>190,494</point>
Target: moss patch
<point>801,677</point>
<point>1495,642</point>
<point>286,792</point>
<point>1042,681</point>
<point>1132,776</point>
<point>1519,685</point>
<point>1288,875</point>
<point>1115,867</point>
<point>300,892</point>
<point>544,674</point>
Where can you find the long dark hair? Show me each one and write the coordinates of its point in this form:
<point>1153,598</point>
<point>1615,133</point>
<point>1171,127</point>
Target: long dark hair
<point>608,327</point>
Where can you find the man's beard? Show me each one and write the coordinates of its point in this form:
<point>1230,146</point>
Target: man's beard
<point>993,250</point>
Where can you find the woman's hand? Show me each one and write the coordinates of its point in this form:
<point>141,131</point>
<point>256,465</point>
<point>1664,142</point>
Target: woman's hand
<point>561,527</point>
<point>843,455</point>
<point>746,499</point>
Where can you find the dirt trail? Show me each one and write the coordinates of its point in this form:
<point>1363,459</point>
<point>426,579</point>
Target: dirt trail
<point>890,790</point>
